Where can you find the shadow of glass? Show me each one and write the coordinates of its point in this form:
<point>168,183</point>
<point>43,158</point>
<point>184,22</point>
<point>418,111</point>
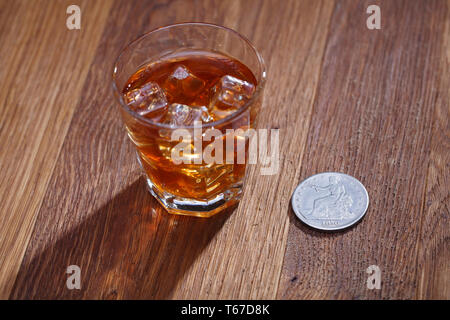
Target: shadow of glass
<point>131,248</point>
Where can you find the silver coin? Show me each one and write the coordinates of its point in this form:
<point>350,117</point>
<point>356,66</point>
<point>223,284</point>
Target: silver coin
<point>330,201</point>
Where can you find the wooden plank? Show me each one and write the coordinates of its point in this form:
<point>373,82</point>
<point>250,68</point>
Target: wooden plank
<point>433,271</point>
<point>373,120</point>
<point>44,66</point>
<point>246,257</point>
<point>97,214</point>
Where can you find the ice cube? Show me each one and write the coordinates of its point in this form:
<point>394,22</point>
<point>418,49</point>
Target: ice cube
<point>182,84</point>
<point>179,115</point>
<point>145,99</point>
<point>180,73</point>
<point>211,176</point>
<point>229,94</point>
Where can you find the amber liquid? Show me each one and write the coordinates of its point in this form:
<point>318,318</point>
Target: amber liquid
<point>189,81</point>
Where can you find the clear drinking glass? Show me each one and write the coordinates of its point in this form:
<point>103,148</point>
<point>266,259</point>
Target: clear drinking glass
<point>196,189</point>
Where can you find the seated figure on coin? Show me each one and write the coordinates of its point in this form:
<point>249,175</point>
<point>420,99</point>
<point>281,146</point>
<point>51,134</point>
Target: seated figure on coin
<point>335,205</point>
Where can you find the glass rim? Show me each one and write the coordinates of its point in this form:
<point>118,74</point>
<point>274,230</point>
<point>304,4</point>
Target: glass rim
<point>147,121</point>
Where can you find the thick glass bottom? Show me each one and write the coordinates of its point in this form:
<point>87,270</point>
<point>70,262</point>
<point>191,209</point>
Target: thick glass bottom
<point>197,208</point>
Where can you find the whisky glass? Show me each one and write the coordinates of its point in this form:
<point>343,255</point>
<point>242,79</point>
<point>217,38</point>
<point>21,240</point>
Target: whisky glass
<point>195,189</point>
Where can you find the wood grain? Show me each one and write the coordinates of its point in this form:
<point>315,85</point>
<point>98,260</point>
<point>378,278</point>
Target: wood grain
<point>44,66</point>
<point>126,245</point>
<point>370,103</point>
<point>246,259</point>
<point>373,119</point>
<point>433,249</point>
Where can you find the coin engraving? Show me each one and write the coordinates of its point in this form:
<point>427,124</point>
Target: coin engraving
<point>330,201</point>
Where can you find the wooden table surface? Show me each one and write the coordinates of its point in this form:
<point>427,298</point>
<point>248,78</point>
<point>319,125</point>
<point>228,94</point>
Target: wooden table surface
<point>370,103</point>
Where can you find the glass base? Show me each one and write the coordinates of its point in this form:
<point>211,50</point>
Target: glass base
<point>190,207</point>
